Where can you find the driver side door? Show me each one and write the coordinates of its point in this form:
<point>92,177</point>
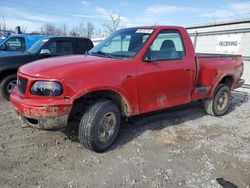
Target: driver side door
<point>165,75</point>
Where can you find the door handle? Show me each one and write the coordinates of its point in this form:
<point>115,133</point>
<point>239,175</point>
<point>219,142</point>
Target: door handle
<point>187,70</point>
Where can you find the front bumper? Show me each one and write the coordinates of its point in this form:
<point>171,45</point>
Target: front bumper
<point>40,113</point>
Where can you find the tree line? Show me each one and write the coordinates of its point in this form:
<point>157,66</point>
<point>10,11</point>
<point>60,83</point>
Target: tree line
<point>83,29</point>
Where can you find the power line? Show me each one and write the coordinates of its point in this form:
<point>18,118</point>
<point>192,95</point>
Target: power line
<point>60,11</point>
<point>71,13</point>
<point>26,19</point>
<point>12,4</point>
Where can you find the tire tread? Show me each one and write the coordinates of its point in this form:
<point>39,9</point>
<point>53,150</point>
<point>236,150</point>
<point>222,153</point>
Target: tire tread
<point>209,103</point>
<point>3,92</point>
<point>88,119</point>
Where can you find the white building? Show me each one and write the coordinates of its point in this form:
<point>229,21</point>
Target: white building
<point>224,37</point>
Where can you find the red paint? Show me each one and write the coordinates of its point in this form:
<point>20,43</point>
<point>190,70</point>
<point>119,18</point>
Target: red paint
<point>144,86</point>
<point>45,108</point>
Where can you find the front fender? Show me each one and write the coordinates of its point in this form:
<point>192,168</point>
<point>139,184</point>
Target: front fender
<point>131,108</point>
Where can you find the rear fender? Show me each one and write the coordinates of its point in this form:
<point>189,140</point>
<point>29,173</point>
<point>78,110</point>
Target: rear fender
<point>220,81</point>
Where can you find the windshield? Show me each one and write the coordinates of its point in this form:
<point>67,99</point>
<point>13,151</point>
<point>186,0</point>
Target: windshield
<point>2,38</point>
<point>124,43</point>
<point>37,46</point>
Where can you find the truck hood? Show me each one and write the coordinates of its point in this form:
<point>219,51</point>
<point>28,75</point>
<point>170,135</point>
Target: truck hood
<point>60,67</point>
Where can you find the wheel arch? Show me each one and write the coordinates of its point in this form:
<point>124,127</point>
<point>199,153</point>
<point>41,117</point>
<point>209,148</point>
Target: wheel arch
<point>226,80</point>
<point>88,98</point>
<point>8,72</point>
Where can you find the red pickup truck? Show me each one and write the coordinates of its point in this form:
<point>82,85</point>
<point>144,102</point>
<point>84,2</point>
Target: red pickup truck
<point>133,71</point>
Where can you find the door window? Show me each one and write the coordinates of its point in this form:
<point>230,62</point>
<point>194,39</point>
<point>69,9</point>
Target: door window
<point>167,45</point>
<point>60,48</point>
<point>15,44</point>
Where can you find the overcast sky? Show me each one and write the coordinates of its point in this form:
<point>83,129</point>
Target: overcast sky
<point>34,13</point>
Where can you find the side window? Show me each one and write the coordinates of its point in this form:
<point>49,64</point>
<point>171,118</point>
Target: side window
<point>125,43</point>
<point>52,48</point>
<point>60,48</point>
<point>167,45</point>
<point>82,45</point>
<point>16,44</point>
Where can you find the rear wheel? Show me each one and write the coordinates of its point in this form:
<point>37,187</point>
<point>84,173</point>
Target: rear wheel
<point>220,102</point>
<point>7,85</point>
<point>99,125</point>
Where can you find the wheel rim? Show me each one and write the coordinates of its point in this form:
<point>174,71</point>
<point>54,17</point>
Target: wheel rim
<point>11,85</point>
<point>222,101</point>
<point>107,126</point>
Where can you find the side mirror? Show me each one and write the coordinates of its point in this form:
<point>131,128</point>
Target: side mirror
<point>147,57</point>
<point>45,53</point>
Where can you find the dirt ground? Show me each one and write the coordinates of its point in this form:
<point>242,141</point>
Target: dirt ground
<point>180,147</point>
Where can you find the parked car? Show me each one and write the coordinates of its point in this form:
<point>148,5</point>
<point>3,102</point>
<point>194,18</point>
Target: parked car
<point>44,48</point>
<point>2,38</point>
<point>17,43</point>
<point>134,71</point>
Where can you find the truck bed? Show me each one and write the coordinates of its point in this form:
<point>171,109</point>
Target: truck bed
<point>209,75</point>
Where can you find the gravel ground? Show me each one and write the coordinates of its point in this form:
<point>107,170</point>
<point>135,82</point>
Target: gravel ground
<point>180,147</point>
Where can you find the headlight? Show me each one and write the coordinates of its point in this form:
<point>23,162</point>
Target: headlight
<point>46,88</point>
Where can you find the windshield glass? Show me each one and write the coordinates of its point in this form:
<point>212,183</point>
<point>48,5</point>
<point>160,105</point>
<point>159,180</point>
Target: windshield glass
<point>124,43</point>
<point>37,46</point>
<point>2,38</point>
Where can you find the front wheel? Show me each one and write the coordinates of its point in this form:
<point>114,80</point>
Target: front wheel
<point>220,102</point>
<point>7,85</point>
<point>99,125</point>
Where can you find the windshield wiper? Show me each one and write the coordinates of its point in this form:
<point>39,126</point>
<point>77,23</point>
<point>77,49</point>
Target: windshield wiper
<point>101,53</point>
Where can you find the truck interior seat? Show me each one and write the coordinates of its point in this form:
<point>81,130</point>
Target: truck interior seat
<point>168,50</point>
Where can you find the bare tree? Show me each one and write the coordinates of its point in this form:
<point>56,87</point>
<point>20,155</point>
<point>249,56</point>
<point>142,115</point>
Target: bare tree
<point>35,32</point>
<point>3,26</point>
<point>64,30</point>
<point>51,29</point>
<point>90,28</point>
<point>113,25</point>
<point>83,30</point>
<point>48,29</point>
<point>74,32</point>
<point>24,29</point>
<point>99,33</point>
<point>78,31</point>
<point>3,23</point>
